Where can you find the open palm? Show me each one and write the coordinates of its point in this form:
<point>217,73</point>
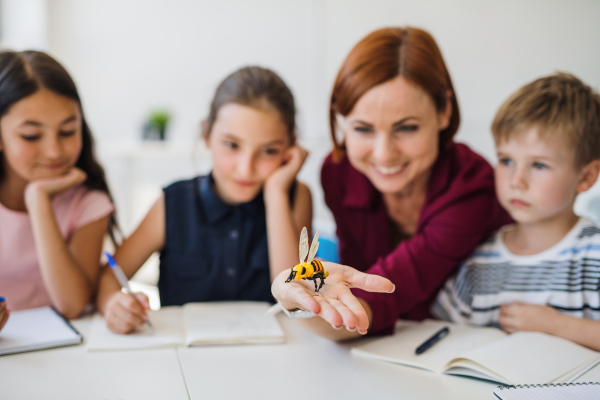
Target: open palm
<point>335,303</point>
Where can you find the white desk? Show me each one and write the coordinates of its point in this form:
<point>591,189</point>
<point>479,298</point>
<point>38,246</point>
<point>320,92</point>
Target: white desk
<point>72,373</point>
<point>307,366</point>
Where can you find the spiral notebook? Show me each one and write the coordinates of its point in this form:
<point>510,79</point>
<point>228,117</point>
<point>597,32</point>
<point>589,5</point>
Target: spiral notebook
<point>36,329</point>
<point>569,391</point>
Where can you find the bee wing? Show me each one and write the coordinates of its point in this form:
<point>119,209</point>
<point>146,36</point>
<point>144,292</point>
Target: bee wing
<point>303,247</point>
<point>313,248</point>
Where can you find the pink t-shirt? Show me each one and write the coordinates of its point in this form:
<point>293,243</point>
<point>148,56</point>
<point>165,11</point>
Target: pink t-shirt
<point>20,276</point>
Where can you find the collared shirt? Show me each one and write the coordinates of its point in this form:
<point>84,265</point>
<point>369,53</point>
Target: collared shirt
<point>213,251</point>
<point>460,210</point>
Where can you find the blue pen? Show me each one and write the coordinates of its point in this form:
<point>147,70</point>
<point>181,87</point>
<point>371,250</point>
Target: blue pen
<point>123,281</point>
<point>2,299</point>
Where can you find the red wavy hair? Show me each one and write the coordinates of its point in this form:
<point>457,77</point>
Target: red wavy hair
<point>384,55</point>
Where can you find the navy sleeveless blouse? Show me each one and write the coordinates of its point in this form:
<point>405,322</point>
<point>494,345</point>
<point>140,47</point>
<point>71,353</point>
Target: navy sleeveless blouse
<point>213,250</point>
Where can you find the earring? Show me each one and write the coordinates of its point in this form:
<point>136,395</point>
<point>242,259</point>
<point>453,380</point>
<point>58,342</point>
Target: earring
<point>340,128</point>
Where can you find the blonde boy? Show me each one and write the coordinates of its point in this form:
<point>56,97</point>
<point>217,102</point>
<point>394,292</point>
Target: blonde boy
<point>543,272</point>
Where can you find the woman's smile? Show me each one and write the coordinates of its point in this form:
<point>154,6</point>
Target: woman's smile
<point>390,170</point>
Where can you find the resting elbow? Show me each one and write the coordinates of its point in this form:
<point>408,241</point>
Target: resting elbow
<point>70,311</point>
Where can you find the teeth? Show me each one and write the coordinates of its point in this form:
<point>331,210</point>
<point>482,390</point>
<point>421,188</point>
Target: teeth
<point>388,170</point>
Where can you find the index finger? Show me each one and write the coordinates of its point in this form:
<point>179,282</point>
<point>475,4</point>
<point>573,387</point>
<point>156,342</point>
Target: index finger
<point>132,304</point>
<point>368,282</point>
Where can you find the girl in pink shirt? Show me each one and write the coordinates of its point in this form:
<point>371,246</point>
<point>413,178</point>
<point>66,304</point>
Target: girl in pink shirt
<point>55,206</point>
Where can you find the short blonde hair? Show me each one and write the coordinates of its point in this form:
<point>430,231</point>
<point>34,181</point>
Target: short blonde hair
<point>559,104</point>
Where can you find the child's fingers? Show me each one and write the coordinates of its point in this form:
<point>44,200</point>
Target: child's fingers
<point>509,328</point>
<point>127,316</point>
<point>128,302</point>
<point>143,299</point>
<point>4,318</point>
<point>508,322</point>
<point>296,156</point>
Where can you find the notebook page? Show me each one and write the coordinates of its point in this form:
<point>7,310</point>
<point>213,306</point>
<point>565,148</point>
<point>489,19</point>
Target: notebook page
<point>234,322</point>
<point>532,357</point>
<point>577,391</point>
<point>36,328</point>
<point>400,348</point>
<point>168,331</point>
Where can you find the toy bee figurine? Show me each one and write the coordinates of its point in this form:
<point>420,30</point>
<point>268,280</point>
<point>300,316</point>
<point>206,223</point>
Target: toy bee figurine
<point>311,269</point>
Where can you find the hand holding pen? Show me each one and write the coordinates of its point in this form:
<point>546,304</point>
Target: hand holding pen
<point>125,310</point>
<point>4,312</point>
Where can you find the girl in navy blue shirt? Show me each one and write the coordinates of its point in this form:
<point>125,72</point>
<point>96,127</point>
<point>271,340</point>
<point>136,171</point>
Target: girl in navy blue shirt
<point>226,235</point>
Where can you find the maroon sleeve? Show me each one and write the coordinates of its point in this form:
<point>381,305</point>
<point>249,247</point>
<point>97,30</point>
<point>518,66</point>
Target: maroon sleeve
<point>333,193</point>
<point>419,266</point>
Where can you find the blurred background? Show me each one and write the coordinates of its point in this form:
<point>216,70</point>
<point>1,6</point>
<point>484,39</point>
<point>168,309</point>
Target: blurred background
<point>134,61</point>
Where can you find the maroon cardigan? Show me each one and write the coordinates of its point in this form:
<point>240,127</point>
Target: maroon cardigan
<point>460,210</point>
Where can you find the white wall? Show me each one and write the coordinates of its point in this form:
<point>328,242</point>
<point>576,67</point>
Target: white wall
<point>24,24</point>
<point>130,56</point>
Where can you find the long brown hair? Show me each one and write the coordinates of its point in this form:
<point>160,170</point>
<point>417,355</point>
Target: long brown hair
<point>384,55</point>
<point>255,87</point>
<point>24,73</point>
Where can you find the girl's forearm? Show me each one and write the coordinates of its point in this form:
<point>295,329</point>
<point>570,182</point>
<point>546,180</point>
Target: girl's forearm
<point>582,331</point>
<point>282,234</point>
<point>67,284</point>
<point>107,287</point>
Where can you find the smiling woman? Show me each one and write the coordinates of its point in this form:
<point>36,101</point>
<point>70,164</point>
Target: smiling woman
<point>409,203</point>
<point>55,205</point>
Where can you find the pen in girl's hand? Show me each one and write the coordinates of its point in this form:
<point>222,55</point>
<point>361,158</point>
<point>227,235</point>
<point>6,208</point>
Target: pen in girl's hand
<point>123,281</point>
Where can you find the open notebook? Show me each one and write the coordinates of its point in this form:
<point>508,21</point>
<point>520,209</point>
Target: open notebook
<point>194,324</point>
<point>486,353</point>
<point>36,329</point>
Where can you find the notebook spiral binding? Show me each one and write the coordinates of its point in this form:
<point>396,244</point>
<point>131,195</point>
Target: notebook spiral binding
<point>547,385</point>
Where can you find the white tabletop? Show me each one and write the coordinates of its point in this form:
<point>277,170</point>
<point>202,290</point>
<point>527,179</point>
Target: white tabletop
<point>307,366</point>
<point>72,373</point>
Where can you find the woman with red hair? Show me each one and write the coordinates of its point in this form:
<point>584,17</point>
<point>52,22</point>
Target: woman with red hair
<point>409,203</point>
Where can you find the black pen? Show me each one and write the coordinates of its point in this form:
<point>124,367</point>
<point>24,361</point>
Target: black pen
<point>439,335</point>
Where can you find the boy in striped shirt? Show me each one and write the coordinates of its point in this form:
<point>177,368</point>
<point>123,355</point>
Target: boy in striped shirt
<point>543,272</point>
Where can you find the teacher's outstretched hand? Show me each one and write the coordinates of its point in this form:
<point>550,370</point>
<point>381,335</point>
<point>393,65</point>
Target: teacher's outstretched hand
<point>334,302</point>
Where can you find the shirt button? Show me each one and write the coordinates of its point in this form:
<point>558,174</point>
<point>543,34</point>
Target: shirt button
<point>233,234</point>
<point>230,271</point>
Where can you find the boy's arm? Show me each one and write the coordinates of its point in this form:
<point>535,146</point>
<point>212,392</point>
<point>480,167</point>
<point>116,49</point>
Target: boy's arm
<point>532,317</point>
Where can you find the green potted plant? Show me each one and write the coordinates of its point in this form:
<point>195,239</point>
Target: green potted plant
<point>156,125</point>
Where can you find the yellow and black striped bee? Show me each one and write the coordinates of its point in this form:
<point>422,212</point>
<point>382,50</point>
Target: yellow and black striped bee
<point>311,269</point>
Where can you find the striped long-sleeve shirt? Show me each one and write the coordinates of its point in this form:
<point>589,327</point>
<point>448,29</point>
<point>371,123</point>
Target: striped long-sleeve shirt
<point>566,277</point>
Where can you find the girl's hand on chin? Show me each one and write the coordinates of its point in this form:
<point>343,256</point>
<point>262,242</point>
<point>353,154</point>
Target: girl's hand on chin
<point>282,177</point>
<point>51,186</point>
